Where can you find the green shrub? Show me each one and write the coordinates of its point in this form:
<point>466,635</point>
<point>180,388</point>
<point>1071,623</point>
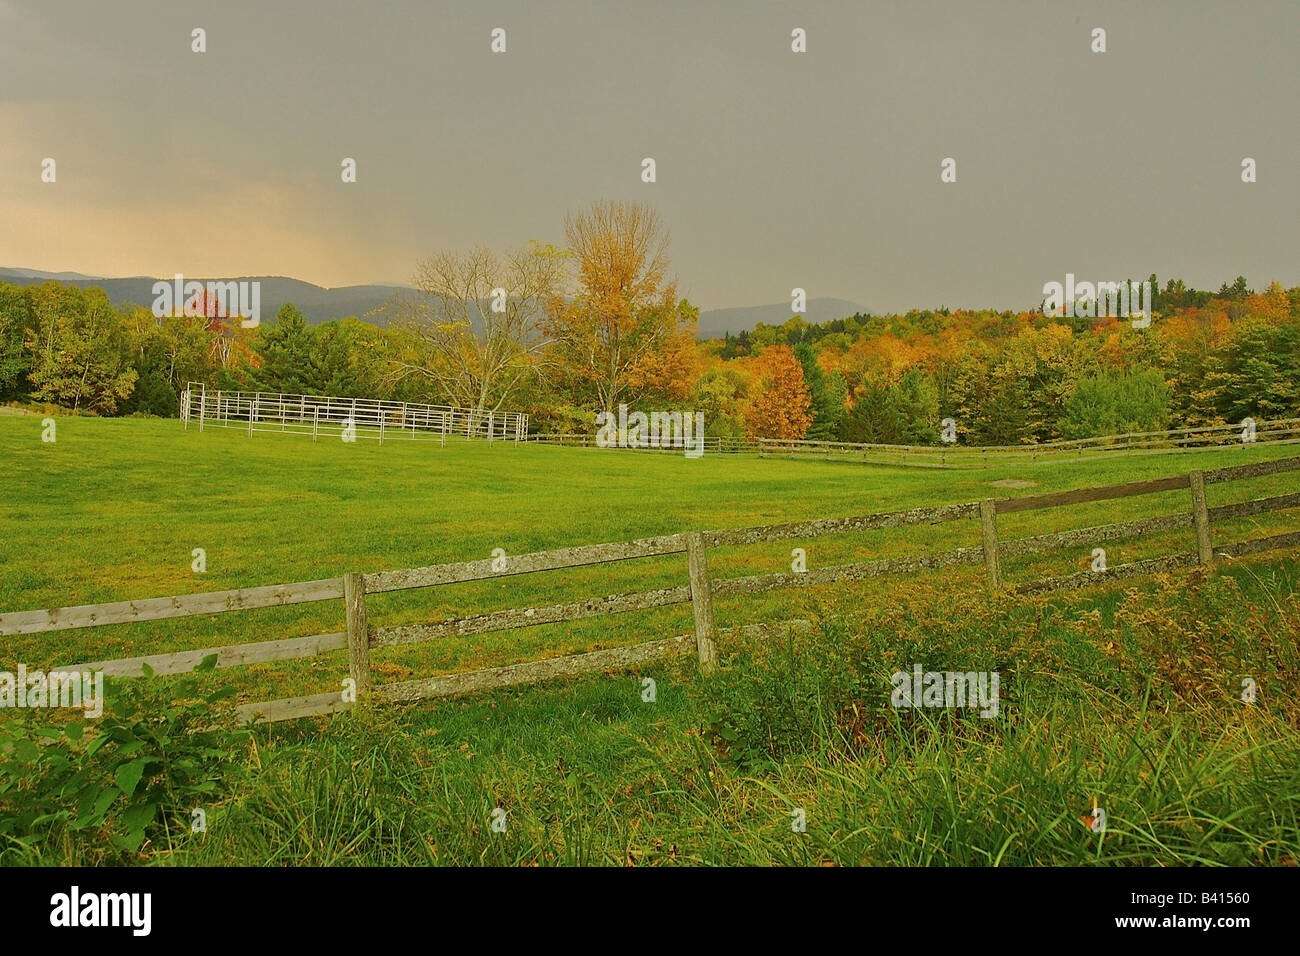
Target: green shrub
<point>99,791</point>
<point>1114,404</point>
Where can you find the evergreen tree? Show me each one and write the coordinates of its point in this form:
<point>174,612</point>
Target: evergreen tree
<point>827,405</point>
<point>911,412</point>
<point>865,422</point>
<point>283,350</point>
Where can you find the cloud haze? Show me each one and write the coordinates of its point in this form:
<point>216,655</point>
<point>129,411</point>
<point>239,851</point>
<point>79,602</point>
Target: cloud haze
<point>775,169</point>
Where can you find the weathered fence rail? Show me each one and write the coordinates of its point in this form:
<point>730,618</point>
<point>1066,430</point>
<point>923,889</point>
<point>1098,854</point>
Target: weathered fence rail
<point>699,589</point>
<point>330,414</point>
<point>1174,441</point>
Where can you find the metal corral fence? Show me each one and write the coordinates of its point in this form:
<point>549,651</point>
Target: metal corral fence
<point>697,590</point>
<point>1279,432</point>
<point>331,414</point>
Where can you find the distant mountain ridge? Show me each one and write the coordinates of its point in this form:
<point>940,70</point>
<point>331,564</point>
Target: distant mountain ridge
<point>319,304</point>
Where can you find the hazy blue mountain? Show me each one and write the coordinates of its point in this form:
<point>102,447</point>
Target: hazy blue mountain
<point>320,304</point>
<point>38,274</point>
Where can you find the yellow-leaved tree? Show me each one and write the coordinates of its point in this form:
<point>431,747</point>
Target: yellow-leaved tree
<point>625,334</point>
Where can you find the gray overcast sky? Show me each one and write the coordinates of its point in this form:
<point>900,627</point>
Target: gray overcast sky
<point>775,169</point>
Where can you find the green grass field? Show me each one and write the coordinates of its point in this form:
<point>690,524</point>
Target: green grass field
<point>1127,693</point>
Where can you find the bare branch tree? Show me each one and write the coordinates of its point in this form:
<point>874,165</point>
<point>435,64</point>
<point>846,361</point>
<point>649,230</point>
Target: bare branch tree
<point>476,317</point>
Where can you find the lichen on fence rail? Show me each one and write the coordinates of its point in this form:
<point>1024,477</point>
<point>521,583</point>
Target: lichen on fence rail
<point>700,589</point>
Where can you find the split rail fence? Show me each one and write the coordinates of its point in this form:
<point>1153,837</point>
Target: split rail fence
<point>1280,432</point>
<point>331,414</point>
<point>699,589</point>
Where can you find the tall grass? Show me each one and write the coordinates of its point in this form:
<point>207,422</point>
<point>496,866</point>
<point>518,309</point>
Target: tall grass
<point>1129,697</point>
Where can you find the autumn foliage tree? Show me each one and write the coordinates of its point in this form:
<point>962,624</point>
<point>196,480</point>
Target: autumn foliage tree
<point>625,334</point>
<point>616,331</point>
<point>781,406</point>
<point>230,339</point>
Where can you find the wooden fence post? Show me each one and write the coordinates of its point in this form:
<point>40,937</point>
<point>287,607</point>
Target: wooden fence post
<point>702,600</point>
<point>989,526</point>
<point>354,600</point>
<point>1201,518</point>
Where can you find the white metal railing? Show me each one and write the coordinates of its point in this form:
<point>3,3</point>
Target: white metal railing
<point>381,419</point>
<point>339,416</point>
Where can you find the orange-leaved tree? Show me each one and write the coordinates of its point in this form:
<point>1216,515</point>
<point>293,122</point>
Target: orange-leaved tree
<point>230,342</point>
<point>781,406</point>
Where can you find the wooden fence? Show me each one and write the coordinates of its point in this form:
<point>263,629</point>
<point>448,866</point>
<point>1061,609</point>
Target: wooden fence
<point>372,418</point>
<point>331,414</point>
<point>1201,437</point>
<point>698,589</point>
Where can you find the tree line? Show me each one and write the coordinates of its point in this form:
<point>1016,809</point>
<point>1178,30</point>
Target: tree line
<point>565,332</point>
